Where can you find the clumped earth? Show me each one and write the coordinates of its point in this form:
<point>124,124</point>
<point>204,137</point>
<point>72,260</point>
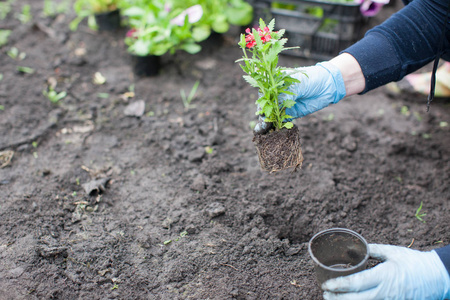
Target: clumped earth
<point>98,203</point>
<point>279,149</point>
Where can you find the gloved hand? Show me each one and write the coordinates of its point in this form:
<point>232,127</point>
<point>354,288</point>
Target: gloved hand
<point>320,86</point>
<point>404,274</point>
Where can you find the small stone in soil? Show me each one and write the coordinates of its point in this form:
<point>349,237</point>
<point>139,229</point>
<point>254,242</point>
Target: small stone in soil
<point>215,209</point>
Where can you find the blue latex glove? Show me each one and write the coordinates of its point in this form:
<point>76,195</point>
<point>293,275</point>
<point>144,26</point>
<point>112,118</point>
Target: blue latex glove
<point>404,274</point>
<point>320,86</point>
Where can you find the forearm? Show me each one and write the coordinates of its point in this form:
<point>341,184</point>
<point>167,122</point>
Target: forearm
<point>404,43</point>
<point>351,72</point>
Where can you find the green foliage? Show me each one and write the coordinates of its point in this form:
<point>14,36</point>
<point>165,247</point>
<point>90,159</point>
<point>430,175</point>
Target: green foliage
<point>5,8</point>
<point>54,96</point>
<point>4,35</point>
<point>14,53</point>
<point>52,8</point>
<point>219,14</point>
<point>25,70</point>
<point>188,99</point>
<point>25,16</point>
<point>263,73</point>
<point>155,33</point>
<point>88,9</point>
<point>182,235</point>
<point>405,110</point>
<point>419,215</point>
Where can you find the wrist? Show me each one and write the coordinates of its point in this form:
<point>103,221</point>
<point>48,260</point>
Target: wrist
<point>337,81</point>
<point>352,74</point>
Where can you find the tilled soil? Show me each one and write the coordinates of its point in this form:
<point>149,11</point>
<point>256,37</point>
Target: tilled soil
<point>98,203</point>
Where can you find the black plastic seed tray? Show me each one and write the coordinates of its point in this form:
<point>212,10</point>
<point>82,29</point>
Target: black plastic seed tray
<point>321,28</point>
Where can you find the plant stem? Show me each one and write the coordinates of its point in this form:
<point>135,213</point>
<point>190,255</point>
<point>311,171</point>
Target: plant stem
<point>273,97</point>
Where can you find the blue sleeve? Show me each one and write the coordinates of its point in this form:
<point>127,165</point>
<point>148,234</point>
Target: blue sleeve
<point>405,42</point>
<point>444,254</point>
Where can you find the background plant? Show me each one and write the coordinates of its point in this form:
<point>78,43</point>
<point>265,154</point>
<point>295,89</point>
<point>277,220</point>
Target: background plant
<point>53,95</point>
<point>25,15</point>
<point>420,215</point>
<point>155,29</point>
<point>52,8</point>
<point>263,72</point>
<point>188,99</point>
<point>218,15</point>
<point>88,9</point>
<point>5,8</point>
<point>4,36</point>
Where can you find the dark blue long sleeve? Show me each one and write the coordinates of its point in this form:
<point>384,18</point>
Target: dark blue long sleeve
<point>402,44</point>
<point>444,254</point>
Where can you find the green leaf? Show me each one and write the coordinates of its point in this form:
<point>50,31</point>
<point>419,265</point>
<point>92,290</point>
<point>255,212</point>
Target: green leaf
<point>288,103</point>
<point>133,11</point>
<point>262,24</point>
<point>220,24</point>
<point>4,35</point>
<point>288,125</point>
<point>201,33</point>
<point>25,70</point>
<point>239,15</point>
<point>289,93</point>
<point>274,51</point>
<point>191,48</point>
<point>267,110</point>
<point>141,47</point>
<point>271,25</point>
<point>92,23</point>
<point>251,81</point>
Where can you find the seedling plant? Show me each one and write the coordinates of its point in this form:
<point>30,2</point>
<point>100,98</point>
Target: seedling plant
<point>88,9</point>
<point>53,95</point>
<point>261,48</point>
<point>4,36</point>
<point>277,149</point>
<point>420,215</point>
<point>188,99</point>
<point>158,28</point>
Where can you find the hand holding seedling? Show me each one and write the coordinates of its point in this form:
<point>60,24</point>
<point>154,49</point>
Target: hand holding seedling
<point>277,149</point>
<point>318,87</point>
<point>404,274</point>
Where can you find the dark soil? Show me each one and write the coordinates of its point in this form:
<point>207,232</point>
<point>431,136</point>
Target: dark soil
<point>98,204</point>
<point>279,149</point>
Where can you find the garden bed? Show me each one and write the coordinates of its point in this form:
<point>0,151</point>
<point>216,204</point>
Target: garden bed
<point>184,210</point>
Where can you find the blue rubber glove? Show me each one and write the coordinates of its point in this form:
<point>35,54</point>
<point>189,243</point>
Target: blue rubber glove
<point>404,274</point>
<point>320,86</point>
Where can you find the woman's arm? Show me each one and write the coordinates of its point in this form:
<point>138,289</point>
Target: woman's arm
<point>351,73</point>
<point>402,44</point>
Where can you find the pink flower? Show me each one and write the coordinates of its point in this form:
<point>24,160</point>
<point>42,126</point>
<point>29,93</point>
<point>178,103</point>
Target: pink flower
<point>264,34</point>
<point>251,44</point>
<point>132,33</point>
<point>370,8</point>
<point>194,14</point>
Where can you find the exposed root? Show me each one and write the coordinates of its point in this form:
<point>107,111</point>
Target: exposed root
<point>279,150</point>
